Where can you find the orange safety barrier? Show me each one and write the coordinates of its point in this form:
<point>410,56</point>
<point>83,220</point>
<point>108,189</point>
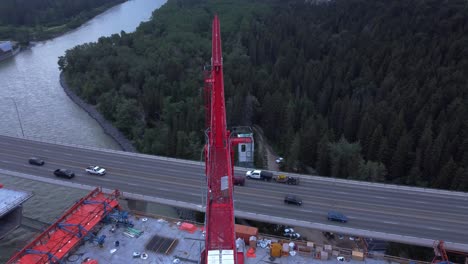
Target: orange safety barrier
<point>191,228</point>
<point>251,253</point>
<point>91,261</point>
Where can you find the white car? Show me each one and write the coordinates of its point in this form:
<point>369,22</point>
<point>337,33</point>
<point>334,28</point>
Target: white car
<point>96,170</point>
<point>292,235</point>
<point>259,175</point>
<point>255,174</point>
<point>279,160</point>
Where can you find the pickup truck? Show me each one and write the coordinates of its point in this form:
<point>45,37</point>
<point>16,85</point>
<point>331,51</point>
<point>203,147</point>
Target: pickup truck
<point>287,179</point>
<point>96,170</point>
<point>259,175</point>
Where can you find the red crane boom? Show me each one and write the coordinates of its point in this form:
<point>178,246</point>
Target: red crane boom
<point>220,234</point>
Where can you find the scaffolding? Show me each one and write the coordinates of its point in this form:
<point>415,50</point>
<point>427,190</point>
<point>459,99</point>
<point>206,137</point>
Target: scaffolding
<point>66,233</point>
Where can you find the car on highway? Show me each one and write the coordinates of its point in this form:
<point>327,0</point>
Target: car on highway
<point>292,199</point>
<point>96,170</point>
<point>36,161</point>
<point>279,160</point>
<point>64,173</point>
<point>337,216</point>
<point>259,175</point>
<point>239,180</point>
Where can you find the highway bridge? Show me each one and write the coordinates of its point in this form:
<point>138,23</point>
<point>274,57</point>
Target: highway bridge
<point>395,213</point>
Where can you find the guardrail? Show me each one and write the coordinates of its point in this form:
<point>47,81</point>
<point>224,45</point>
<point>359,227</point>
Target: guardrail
<point>301,176</point>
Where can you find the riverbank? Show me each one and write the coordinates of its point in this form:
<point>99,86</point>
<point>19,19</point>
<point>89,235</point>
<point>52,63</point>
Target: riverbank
<point>107,126</point>
<point>41,32</point>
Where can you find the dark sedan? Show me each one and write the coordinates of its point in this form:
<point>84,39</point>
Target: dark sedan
<point>292,199</point>
<point>64,173</point>
<point>36,161</point>
<point>337,216</point>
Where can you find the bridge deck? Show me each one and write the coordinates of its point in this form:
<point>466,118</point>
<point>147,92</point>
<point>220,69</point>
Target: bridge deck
<point>383,211</point>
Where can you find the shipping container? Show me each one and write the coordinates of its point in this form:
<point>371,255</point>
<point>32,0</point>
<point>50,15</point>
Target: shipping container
<point>245,232</point>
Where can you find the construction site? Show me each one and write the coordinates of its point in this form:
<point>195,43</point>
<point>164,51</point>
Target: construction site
<point>96,229</point>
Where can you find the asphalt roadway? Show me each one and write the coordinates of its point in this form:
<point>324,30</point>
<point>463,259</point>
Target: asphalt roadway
<point>395,213</point>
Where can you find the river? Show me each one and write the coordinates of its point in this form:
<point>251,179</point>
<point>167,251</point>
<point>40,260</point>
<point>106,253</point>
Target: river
<point>34,105</point>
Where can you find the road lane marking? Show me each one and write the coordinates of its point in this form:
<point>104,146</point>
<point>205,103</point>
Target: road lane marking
<point>105,179</point>
<point>340,192</point>
<point>163,189</point>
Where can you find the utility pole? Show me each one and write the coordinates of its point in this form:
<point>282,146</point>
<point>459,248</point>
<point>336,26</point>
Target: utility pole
<point>18,115</point>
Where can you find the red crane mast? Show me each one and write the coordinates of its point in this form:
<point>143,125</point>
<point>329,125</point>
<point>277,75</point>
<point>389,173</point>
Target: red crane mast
<point>219,218</point>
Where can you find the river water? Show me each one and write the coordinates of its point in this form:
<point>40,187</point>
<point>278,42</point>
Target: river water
<point>33,105</point>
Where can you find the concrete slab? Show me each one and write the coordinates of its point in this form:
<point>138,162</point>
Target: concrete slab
<point>11,211</point>
<point>10,199</point>
<point>186,247</point>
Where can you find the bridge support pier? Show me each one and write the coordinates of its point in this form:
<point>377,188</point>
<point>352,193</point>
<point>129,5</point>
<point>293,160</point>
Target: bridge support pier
<point>137,205</point>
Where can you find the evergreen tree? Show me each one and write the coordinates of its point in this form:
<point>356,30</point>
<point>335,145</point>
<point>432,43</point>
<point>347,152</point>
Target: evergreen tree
<point>365,131</point>
<point>323,156</point>
<point>384,153</point>
<point>436,152</point>
<point>294,151</point>
<point>399,159</point>
<point>351,121</point>
<point>447,173</point>
<point>372,171</point>
<point>460,180</point>
<point>397,130</point>
<point>127,116</point>
<point>374,144</point>
<point>309,142</point>
<point>345,159</point>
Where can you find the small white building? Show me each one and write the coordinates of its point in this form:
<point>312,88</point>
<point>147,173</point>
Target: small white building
<point>246,150</point>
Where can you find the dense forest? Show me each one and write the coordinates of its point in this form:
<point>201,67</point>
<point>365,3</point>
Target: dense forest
<point>368,90</point>
<point>25,20</point>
